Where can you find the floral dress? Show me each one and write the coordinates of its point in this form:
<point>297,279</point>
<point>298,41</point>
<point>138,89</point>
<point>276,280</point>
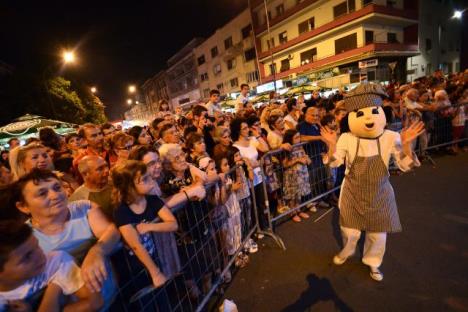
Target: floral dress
<point>234,234</point>
<point>296,178</point>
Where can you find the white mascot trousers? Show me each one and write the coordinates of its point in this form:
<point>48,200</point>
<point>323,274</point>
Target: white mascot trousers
<point>374,246</point>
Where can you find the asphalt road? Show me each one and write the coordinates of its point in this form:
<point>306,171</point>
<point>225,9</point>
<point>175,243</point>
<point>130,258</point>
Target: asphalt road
<point>425,266</point>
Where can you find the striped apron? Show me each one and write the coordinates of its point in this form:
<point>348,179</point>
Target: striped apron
<point>367,200</point>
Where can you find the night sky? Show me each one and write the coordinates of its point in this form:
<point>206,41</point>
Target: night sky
<point>117,43</point>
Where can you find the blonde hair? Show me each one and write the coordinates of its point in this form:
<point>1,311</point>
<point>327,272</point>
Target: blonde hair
<point>18,155</point>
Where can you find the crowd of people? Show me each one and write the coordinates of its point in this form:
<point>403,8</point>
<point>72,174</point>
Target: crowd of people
<point>72,203</point>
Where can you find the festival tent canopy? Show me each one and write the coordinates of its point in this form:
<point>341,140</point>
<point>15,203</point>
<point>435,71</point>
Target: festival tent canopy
<point>28,125</point>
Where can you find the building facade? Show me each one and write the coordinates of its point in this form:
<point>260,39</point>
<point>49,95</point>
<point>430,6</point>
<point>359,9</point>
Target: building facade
<point>227,59</point>
<point>182,76</point>
<point>354,40</point>
<point>439,40</point>
<point>155,89</point>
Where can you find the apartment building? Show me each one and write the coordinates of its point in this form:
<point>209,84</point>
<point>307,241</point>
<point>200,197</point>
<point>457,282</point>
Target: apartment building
<point>182,76</point>
<point>318,40</point>
<point>227,58</point>
<point>155,89</point>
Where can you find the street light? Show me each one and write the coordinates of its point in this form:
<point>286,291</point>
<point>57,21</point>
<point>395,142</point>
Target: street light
<point>68,57</point>
<point>129,101</point>
<point>131,89</point>
<point>93,89</point>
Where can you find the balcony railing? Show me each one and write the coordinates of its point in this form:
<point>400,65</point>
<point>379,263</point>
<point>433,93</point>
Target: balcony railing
<point>319,62</point>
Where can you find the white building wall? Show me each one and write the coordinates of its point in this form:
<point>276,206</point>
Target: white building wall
<point>242,67</point>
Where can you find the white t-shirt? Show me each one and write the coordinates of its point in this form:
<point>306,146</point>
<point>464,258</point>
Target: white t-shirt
<point>60,269</point>
<point>251,153</point>
<point>212,108</point>
<point>291,120</point>
<point>412,104</point>
<point>241,100</point>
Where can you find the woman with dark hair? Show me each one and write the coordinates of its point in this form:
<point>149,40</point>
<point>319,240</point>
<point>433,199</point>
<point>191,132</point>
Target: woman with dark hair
<point>249,148</point>
<point>140,135</point>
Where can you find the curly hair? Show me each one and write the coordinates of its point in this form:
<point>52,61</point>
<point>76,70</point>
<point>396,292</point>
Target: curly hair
<point>123,181</point>
<point>236,128</point>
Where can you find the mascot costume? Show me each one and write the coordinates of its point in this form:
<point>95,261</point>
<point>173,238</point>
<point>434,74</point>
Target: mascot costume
<point>367,202</point>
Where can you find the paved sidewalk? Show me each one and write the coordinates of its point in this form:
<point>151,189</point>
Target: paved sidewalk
<point>425,267</point>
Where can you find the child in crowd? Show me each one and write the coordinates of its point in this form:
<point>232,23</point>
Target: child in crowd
<point>296,177</point>
<point>233,239</point>
<point>135,216</point>
<point>26,274</point>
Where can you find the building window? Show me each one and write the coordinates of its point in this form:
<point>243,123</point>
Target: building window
<point>391,3</point>
<point>217,69</point>
<point>284,65</point>
<point>283,37</point>
<point>250,54</point>
<point>340,9</point>
<point>231,64</point>
<point>346,43</point>
<point>234,82</point>
<point>351,5</point>
<point>308,56</point>
<point>367,2</point>
<point>428,44</point>
<point>280,10</point>
<point>201,60</point>
<point>214,51</point>
<point>272,68</point>
<point>369,36</point>
<point>206,93</point>
<point>228,43</point>
<point>392,38</point>
<point>246,31</point>
<point>220,87</point>
<point>306,25</point>
<point>252,76</point>
<point>271,43</point>
<point>204,76</point>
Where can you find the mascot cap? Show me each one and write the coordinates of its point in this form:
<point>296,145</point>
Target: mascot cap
<point>364,95</point>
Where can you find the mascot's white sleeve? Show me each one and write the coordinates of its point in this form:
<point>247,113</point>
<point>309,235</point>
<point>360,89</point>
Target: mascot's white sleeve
<point>342,147</point>
<point>403,162</point>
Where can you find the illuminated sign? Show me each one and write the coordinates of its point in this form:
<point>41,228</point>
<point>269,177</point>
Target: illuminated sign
<point>270,86</point>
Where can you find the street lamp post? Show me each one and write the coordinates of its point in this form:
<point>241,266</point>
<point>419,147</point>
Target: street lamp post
<point>68,57</point>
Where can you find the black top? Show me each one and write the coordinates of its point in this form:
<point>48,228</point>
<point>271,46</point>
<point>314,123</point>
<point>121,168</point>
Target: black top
<point>123,215</point>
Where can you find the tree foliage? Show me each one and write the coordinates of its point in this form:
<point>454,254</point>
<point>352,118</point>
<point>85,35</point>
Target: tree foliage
<point>55,98</point>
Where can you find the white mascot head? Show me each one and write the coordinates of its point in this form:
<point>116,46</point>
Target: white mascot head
<point>366,117</point>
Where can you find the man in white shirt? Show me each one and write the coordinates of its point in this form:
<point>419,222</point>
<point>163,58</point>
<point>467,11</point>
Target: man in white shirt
<point>242,99</point>
<point>213,104</point>
<point>411,99</point>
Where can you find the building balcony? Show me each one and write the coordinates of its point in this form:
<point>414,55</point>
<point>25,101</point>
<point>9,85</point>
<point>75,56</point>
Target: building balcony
<point>406,13</point>
<point>353,55</point>
<point>368,10</point>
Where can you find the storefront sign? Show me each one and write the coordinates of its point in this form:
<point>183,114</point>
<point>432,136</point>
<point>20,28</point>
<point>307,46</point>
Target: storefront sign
<point>368,63</point>
<point>270,86</point>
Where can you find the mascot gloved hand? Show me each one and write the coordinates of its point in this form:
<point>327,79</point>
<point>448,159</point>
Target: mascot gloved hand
<point>367,201</point>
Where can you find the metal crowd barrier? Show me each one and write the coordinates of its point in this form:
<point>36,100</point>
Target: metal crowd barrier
<point>289,185</point>
<point>289,190</point>
<point>196,259</point>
